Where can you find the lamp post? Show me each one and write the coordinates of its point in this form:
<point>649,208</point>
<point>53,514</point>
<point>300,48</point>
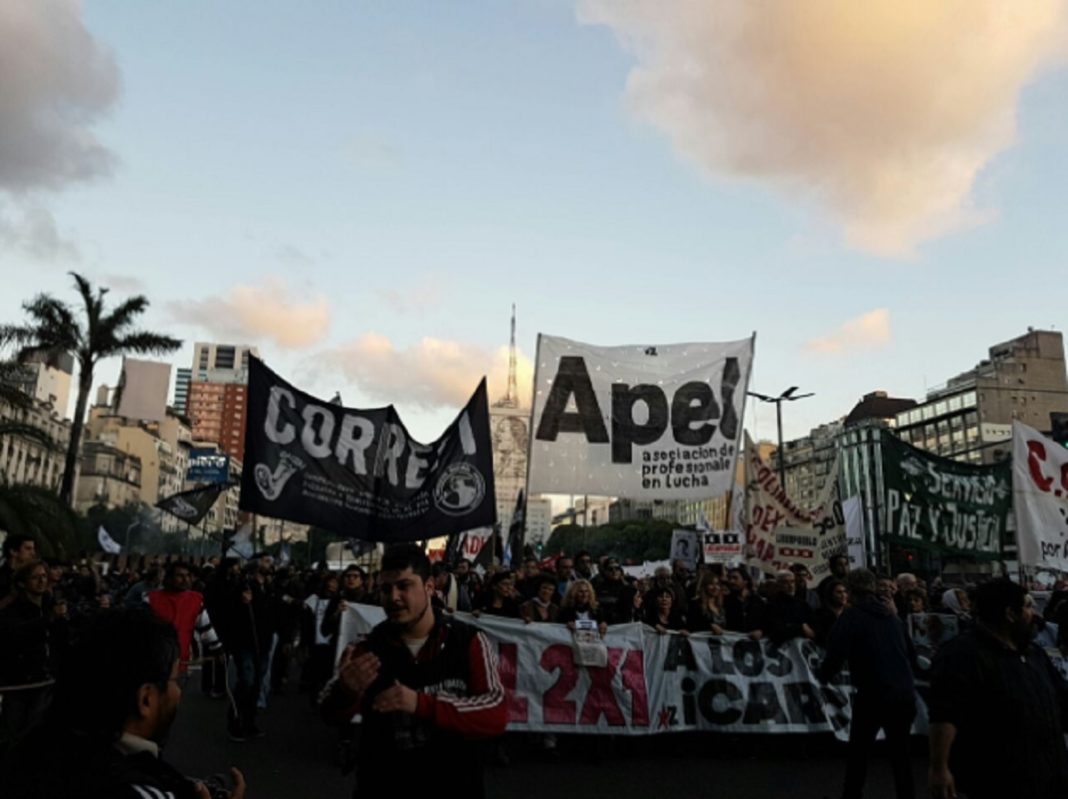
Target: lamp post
<point>786,396</point>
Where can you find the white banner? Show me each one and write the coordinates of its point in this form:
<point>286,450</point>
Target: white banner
<point>779,533</point>
<point>641,422</point>
<point>652,683</point>
<point>1040,497</point>
<point>853,511</point>
<point>107,543</point>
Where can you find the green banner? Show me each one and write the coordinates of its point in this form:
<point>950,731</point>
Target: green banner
<point>935,503</point>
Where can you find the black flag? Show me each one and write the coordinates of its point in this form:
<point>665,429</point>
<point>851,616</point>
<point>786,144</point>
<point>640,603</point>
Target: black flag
<point>358,472</point>
<point>517,530</point>
<point>193,505</point>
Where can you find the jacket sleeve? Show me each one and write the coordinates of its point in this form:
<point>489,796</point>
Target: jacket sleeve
<point>209,641</point>
<point>484,713</point>
<point>837,649</point>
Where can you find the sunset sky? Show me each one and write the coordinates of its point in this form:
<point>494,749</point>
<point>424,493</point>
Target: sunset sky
<point>362,189</point>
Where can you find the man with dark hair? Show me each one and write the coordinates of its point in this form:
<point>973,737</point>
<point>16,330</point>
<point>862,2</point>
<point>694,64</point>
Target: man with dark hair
<point>426,684</point>
<point>997,706</point>
<point>18,551</point>
<point>113,706</point>
<point>872,639</point>
<point>183,607</point>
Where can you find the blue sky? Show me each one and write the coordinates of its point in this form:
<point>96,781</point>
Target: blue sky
<point>410,169</point>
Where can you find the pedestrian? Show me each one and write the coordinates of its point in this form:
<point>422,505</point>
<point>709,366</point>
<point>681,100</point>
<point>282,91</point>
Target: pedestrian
<point>115,701</point>
<point>871,638</point>
<point>997,706</point>
<point>427,686</point>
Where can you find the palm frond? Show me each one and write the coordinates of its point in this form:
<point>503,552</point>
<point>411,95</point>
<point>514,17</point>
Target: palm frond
<point>145,343</point>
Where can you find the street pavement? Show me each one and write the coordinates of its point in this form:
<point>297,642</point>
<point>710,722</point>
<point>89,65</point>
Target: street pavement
<point>297,758</point>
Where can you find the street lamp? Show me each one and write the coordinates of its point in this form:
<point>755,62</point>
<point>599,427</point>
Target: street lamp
<point>788,396</point>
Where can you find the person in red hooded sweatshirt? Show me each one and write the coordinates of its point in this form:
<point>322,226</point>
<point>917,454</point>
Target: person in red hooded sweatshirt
<point>184,608</point>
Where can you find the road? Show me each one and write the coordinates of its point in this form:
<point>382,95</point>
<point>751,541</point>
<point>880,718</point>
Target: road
<point>296,759</point>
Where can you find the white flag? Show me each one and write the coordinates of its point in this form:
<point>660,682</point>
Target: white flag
<point>853,510</point>
<point>107,543</point>
<point>1040,494</point>
<point>241,545</point>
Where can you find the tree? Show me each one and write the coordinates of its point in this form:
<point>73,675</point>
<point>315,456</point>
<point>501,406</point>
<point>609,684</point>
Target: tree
<point>90,333</point>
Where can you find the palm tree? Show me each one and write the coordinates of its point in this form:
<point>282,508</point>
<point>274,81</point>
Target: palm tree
<point>54,327</point>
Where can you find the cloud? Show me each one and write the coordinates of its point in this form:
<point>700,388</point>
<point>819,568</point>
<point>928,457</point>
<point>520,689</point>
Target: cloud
<point>418,299</point>
<point>55,82</point>
<point>124,283</point>
<point>431,374</point>
<point>253,313</point>
<point>866,332</point>
<point>35,233</point>
<point>884,112</point>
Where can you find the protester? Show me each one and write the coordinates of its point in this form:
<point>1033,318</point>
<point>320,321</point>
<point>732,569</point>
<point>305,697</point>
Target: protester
<point>789,616</point>
<point>32,637</point>
<point>182,607</point>
<point>706,613</point>
<point>835,600</point>
<point>662,615</point>
<point>997,706</point>
<point>320,654</point>
<point>584,565</point>
<point>18,551</point>
<point>839,566</point>
<point>614,594</point>
<point>744,610</point>
<point>449,593</point>
<point>873,641</point>
<point>957,602</point>
<point>114,705</point>
<point>427,686</point>
<point>565,575</point>
<point>803,578</point>
<point>541,607</point>
<point>580,604</point>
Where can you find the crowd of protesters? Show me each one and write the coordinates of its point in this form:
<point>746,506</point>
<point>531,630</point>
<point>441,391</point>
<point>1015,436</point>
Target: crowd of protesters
<point>247,626</point>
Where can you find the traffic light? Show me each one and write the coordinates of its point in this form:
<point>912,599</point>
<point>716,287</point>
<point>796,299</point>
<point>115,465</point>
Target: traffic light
<point>1058,426</point>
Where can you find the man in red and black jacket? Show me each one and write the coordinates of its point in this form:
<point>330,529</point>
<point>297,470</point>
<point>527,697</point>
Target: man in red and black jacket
<point>426,685</point>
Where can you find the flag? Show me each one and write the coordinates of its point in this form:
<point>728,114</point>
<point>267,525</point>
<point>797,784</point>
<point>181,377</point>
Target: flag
<point>516,531</point>
<point>240,544</point>
<point>358,547</point>
<point>193,505</point>
<point>107,543</point>
<point>285,556</point>
<point>1040,491</point>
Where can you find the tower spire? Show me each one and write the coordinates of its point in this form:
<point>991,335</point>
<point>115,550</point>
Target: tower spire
<point>512,397</point>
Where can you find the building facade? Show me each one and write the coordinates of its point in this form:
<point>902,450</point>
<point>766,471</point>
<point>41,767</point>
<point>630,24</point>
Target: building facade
<point>25,461</point>
<point>109,478</point>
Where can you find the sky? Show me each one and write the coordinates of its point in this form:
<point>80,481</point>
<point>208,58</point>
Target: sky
<point>363,189</point>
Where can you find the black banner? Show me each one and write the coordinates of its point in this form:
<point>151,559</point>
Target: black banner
<point>193,505</point>
<point>358,472</point>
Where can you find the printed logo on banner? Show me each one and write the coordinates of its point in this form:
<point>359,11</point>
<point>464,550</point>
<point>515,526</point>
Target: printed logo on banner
<point>460,489</point>
<point>179,507</point>
<point>270,483</point>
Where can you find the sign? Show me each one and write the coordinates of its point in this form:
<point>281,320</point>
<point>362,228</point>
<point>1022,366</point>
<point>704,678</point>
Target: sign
<point>853,511</point>
<point>939,504</point>
<point>208,465</point>
<point>722,546</point>
<point>1040,489</point>
<point>779,533</point>
<point>359,472</point>
<point>640,422</point>
<point>651,683</point>
<point>685,546</point>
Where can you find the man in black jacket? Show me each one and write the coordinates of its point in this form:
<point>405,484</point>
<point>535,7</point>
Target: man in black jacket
<point>114,704</point>
<point>872,639</point>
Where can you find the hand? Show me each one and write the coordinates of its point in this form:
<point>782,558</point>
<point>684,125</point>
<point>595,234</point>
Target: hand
<point>756,635</point>
<point>246,596</point>
<point>571,626</point>
<point>602,628</point>
<point>716,630</point>
<point>476,613</point>
<point>396,698</point>
<point>237,793</point>
<point>660,628</point>
<point>807,632</point>
<point>342,606</point>
<point>941,783</point>
<point>357,672</point>
<point>60,610</point>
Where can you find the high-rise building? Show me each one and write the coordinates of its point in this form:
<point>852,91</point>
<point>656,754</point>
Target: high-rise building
<point>48,378</point>
<point>216,402</point>
<point>182,378</point>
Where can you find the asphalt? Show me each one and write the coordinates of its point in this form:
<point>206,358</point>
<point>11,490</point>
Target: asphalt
<point>297,757</point>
